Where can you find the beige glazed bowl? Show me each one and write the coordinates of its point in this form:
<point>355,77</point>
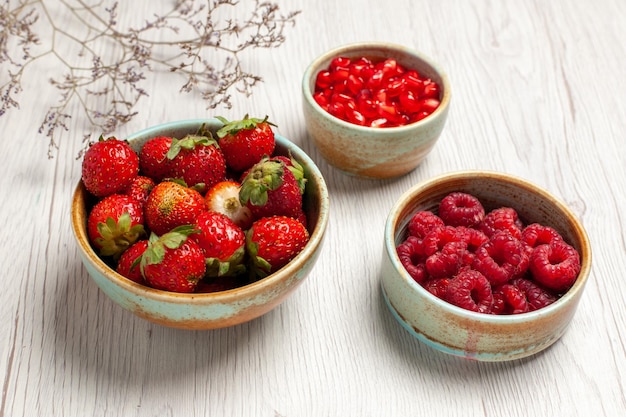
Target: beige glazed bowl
<point>464,333</point>
<point>374,152</point>
<point>217,309</point>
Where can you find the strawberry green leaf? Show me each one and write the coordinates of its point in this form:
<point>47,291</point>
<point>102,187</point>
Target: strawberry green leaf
<point>232,127</point>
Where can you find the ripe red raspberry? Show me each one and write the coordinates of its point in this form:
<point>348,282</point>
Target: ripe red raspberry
<point>471,290</point>
<point>423,222</point>
<point>501,259</point>
<point>461,209</point>
<point>410,257</point>
<point>555,265</point>
<point>436,239</point>
<point>474,238</point>
<point>504,218</point>
<point>447,261</point>
<point>437,286</point>
<point>536,234</point>
<point>536,296</point>
<point>509,299</point>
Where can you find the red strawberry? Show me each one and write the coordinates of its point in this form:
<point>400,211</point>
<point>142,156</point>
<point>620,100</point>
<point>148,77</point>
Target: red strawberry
<point>223,198</point>
<point>109,166</point>
<point>173,262</point>
<point>198,161</point>
<point>271,189</point>
<point>245,142</point>
<point>114,224</point>
<point>128,264</point>
<point>140,188</point>
<point>223,243</point>
<point>272,242</point>
<point>152,158</point>
<point>170,205</point>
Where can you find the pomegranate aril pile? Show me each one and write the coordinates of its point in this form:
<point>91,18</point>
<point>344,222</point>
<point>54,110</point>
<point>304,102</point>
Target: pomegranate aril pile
<point>487,262</point>
<point>375,93</point>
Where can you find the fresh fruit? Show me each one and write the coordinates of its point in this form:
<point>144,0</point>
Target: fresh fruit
<point>223,198</point>
<point>555,265</point>
<point>128,264</point>
<point>245,142</point>
<point>376,94</point>
<point>140,188</point>
<point>114,224</point>
<point>423,222</point>
<point>412,259</point>
<point>470,290</point>
<point>502,219</point>
<point>271,189</point>
<point>153,160</point>
<point>461,209</point>
<point>170,205</point>
<point>501,259</point>
<point>223,244</point>
<point>525,267</point>
<point>109,166</point>
<point>509,299</point>
<point>273,241</point>
<point>173,262</point>
<point>198,161</point>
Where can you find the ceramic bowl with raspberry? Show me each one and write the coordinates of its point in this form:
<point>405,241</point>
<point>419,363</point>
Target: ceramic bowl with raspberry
<point>196,255</point>
<point>375,109</point>
<point>484,265</point>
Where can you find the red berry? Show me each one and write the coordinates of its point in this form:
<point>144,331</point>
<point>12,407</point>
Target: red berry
<point>223,243</point>
<point>172,262</point>
<point>470,290</point>
<point>423,222</point>
<point>114,224</point>
<point>555,265</point>
<point>109,166</point>
<point>128,264</point>
<point>461,209</point>
<point>438,287</point>
<point>411,258</point>
<point>447,261</point>
<point>198,161</point>
<point>437,238</point>
<point>245,142</point>
<point>153,160</point>
<point>140,188</point>
<point>501,259</point>
<point>509,299</point>
<point>170,205</point>
<point>504,218</point>
<point>536,296</point>
<point>273,241</point>
<point>536,234</point>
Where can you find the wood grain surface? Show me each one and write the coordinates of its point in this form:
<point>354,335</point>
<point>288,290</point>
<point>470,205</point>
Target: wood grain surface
<point>538,90</point>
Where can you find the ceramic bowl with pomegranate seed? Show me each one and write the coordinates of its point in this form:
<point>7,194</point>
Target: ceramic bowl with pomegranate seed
<point>221,308</point>
<point>464,312</point>
<point>375,110</point>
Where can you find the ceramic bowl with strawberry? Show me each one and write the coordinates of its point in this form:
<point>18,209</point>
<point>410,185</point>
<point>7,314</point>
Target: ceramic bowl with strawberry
<point>484,265</point>
<point>375,109</point>
<point>199,224</point>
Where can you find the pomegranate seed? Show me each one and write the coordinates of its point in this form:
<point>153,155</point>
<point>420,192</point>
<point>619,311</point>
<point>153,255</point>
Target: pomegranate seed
<point>322,80</point>
<point>395,86</point>
<point>429,105</point>
<point>431,90</point>
<point>354,84</point>
<point>409,102</point>
<point>339,63</point>
<point>354,116</point>
<point>321,99</point>
<point>339,75</point>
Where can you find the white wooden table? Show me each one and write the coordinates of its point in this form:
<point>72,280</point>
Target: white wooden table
<point>539,91</point>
